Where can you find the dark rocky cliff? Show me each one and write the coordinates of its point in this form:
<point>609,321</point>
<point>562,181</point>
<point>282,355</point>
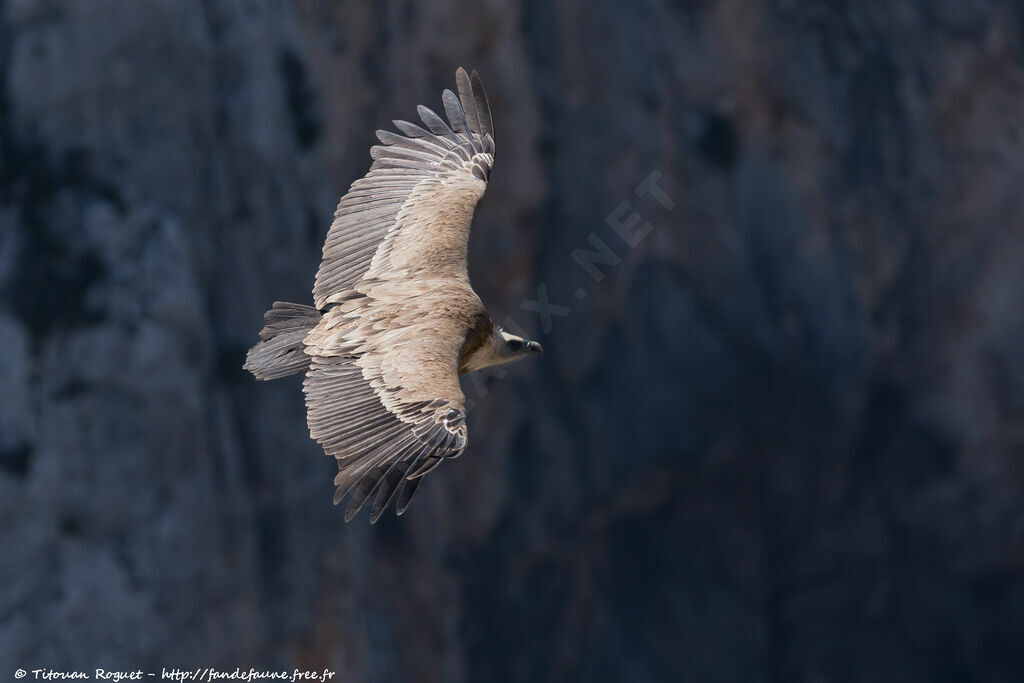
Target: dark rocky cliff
<point>780,441</point>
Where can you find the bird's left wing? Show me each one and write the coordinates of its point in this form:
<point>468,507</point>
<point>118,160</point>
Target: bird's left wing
<point>389,409</point>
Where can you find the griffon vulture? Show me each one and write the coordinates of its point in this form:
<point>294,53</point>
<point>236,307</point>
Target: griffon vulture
<point>395,319</point>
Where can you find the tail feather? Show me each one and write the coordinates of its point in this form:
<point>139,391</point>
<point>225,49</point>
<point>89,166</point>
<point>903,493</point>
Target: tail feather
<point>281,353</point>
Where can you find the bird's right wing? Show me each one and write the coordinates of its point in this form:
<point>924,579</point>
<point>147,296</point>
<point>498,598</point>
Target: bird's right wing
<point>412,212</point>
<point>387,405</point>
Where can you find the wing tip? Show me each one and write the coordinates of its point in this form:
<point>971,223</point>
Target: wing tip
<point>483,106</point>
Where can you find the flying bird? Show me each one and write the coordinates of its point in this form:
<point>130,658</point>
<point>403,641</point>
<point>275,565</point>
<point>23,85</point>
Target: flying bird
<point>394,319</point>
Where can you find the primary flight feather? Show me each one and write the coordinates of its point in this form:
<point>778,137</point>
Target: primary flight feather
<point>394,319</point>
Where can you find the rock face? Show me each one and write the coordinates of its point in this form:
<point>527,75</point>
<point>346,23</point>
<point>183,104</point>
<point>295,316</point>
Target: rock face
<point>780,439</point>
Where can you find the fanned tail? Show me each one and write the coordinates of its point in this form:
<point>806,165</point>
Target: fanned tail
<point>280,353</point>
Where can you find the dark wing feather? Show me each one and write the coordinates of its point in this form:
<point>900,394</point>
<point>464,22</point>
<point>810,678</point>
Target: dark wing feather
<point>457,117</point>
<point>406,494</point>
<point>468,100</point>
<point>483,108</point>
<point>434,122</point>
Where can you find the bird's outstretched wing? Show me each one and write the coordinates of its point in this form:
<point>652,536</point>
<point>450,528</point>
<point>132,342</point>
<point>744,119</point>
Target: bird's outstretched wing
<point>415,205</point>
<point>388,406</point>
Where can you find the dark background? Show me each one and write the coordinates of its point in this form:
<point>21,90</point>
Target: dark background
<point>781,441</point>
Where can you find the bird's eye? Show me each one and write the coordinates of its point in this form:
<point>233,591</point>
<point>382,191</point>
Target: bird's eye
<point>515,344</point>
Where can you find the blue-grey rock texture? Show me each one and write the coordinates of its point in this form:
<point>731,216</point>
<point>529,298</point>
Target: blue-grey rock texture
<point>782,440</point>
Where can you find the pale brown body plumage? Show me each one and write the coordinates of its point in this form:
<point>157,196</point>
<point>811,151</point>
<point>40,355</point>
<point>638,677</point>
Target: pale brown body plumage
<point>395,319</point>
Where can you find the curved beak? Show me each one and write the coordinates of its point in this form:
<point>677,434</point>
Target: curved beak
<point>534,347</point>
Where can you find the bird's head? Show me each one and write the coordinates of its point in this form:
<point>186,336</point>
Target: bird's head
<point>498,348</point>
<point>513,347</point>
